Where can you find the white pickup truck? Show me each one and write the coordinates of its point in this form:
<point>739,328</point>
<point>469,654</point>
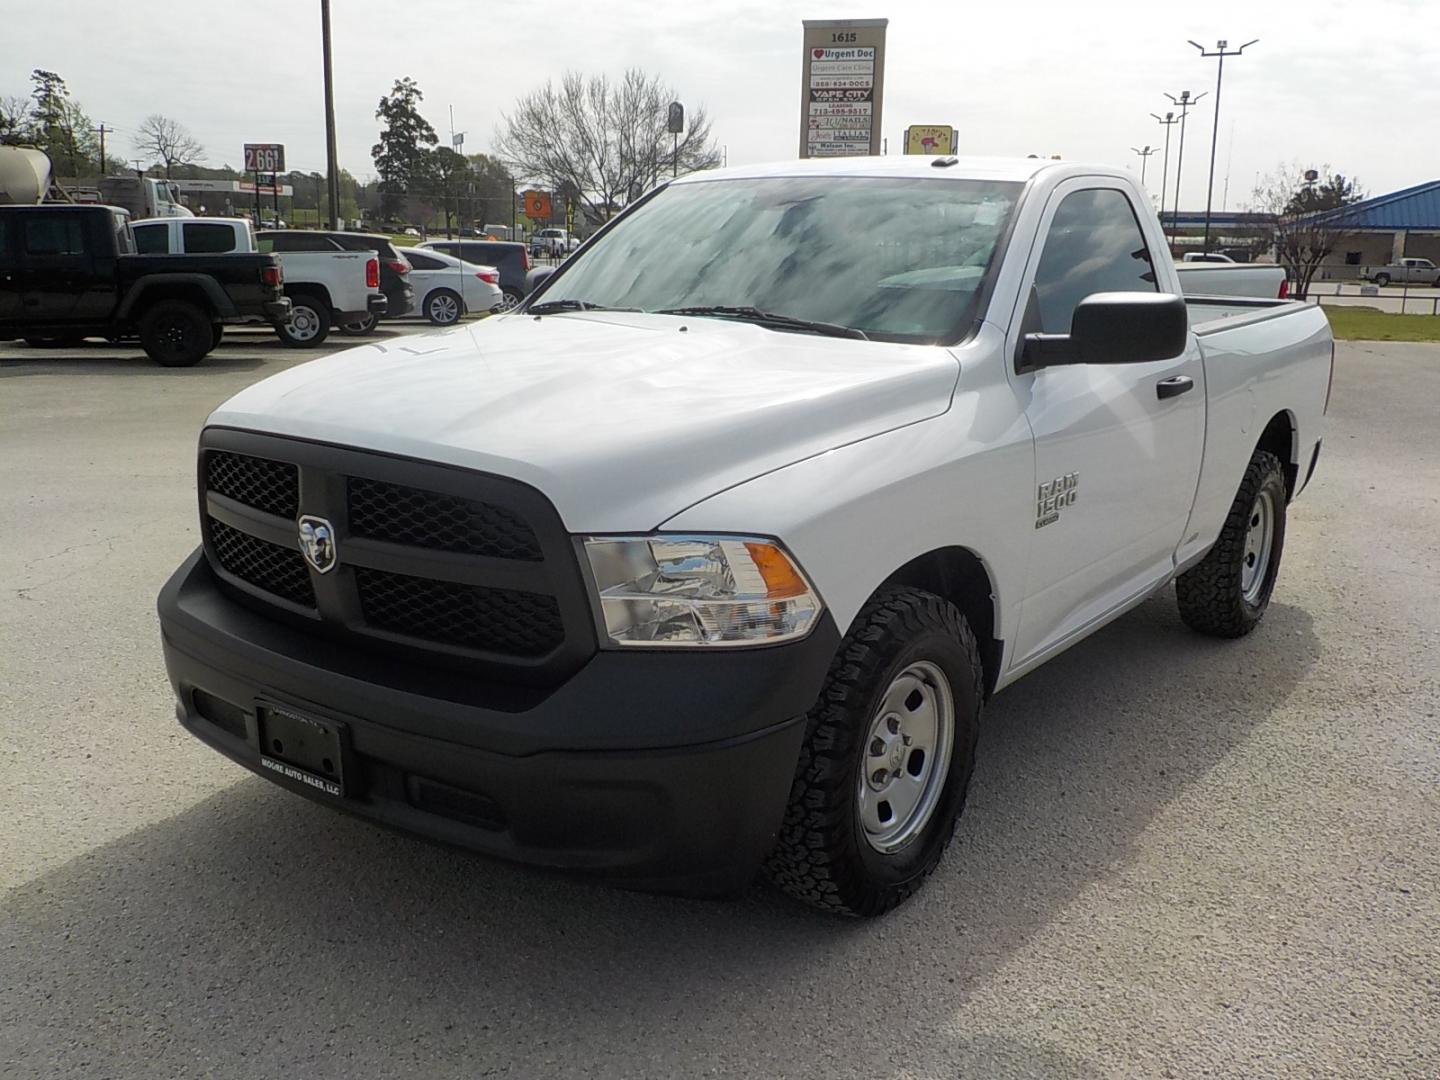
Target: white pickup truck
<point>1268,281</point>
<point>708,558</point>
<point>326,287</point>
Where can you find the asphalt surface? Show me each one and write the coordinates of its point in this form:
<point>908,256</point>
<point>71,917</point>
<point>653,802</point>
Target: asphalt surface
<point>1182,858</point>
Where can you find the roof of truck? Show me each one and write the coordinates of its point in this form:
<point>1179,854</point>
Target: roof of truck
<point>908,165</point>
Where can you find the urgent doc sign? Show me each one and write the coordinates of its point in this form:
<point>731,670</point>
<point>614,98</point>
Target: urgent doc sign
<point>841,87</point>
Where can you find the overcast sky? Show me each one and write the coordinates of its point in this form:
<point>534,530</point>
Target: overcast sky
<point>1355,83</point>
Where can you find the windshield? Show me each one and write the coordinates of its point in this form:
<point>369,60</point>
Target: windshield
<point>898,259</point>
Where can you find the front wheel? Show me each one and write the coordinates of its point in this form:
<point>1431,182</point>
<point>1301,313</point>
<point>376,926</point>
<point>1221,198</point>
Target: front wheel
<point>309,324</point>
<point>175,333</point>
<point>1382,280</point>
<point>889,749</point>
<point>443,307</point>
<point>1226,594</point>
<point>360,327</point>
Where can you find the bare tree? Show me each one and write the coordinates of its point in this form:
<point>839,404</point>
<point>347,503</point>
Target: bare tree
<point>15,121</point>
<point>1310,218</point>
<point>169,141</point>
<point>605,141</point>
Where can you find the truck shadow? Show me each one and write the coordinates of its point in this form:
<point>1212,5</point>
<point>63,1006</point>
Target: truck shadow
<point>257,927</point>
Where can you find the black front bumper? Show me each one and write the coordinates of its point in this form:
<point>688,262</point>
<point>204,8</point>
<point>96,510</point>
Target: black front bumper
<point>657,770</point>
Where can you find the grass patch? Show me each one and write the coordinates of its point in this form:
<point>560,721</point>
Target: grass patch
<point>1371,324</point>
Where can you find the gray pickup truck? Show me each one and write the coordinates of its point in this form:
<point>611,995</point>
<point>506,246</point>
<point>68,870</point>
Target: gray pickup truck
<point>1404,272</point>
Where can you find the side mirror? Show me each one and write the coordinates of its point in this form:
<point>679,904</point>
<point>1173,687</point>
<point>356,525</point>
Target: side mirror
<point>535,278</point>
<point>1115,328</point>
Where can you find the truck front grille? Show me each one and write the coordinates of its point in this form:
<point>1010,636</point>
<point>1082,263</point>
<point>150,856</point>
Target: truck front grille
<point>446,565</point>
<point>406,515</point>
<point>272,486</point>
<point>272,569</point>
<point>497,620</point>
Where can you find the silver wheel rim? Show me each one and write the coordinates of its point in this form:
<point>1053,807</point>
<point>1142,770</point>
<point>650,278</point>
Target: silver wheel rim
<point>507,302</point>
<point>1259,539</point>
<point>906,757</point>
<point>304,323</point>
<point>444,309</point>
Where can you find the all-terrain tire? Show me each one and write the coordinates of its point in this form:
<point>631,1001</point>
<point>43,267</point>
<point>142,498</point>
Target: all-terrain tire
<point>822,855</point>
<point>176,333</point>
<point>1211,594</point>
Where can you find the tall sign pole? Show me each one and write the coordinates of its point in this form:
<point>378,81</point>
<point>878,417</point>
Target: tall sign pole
<point>842,87</point>
<point>332,166</point>
<point>1222,50</point>
<point>1169,121</point>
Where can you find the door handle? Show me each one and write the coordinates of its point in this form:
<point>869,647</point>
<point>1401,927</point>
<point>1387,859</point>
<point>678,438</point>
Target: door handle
<point>1174,386</point>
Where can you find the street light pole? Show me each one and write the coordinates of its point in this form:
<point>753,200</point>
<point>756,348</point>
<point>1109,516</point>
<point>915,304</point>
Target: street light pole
<point>1144,159</point>
<point>1169,121</point>
<point>1222,50</point>
<point>1184,101</point>
<point>332,165</point>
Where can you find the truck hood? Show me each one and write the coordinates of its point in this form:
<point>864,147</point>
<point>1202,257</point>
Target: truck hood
<point>621,419</point>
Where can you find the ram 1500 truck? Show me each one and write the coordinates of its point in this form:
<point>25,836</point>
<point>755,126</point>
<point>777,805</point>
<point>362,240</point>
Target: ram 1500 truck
<point>69,272</point>
<point>326,287</point>
<point>708,557</point>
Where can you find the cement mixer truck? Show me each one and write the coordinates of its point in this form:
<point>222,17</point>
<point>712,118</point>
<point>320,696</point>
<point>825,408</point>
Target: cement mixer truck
<point>27,178</point>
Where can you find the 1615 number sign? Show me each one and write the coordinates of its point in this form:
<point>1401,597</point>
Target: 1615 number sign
<point>264,157</point>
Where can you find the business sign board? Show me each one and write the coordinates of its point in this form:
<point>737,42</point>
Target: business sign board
<point>537,204</point>
<point>930,139</point>
<point>264,157</point>
<point>842,86</point>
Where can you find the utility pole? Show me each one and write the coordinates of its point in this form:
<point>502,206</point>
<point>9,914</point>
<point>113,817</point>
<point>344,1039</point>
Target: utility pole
<point>1184,102</point>
<point>1169,121</point>
<point>332,164</point>
<point>1222,50</point>
<point>101,132</point>
<point>1144,159</point>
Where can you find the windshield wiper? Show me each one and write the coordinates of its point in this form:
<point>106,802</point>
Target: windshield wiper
<point>773,318</point>
<point>551,307</point>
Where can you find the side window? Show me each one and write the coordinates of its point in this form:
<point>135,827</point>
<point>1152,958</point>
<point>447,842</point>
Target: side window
<point>1094,245</point>
<point>54,234</point>
<point>152,239</point>
<point>423,262</point>
<point>207,237</point>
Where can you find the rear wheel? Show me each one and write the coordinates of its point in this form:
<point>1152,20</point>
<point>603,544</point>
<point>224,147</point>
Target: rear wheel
<point>1226,594</point>
<point>889,749</point>
<point>443,307</point>
<point>360,327</point>
<point>509,299</point>
<point>217,331</point>
<point>175,333</point>
<point>309,323</point>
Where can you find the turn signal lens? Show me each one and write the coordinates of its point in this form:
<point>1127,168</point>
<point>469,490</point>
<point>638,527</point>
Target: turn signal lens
<point>662,591</point>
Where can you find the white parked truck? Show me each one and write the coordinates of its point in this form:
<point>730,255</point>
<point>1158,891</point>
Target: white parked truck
<point>1267,281</point>
<point>326,287</point>
<point>1404,272</point>
<point>708,557</point>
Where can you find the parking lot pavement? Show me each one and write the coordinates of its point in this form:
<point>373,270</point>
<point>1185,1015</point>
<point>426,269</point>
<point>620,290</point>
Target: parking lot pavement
<point>1182,857</point>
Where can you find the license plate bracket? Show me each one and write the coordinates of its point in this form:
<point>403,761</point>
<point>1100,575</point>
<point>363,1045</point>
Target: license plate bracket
<point>303,748</point>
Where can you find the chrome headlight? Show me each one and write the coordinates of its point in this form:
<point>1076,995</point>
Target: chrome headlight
<point>699,590</point>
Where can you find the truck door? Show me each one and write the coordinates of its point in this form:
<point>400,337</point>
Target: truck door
<point>9,270</point>
<point>56,265</point>
<point>1117,446</point>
